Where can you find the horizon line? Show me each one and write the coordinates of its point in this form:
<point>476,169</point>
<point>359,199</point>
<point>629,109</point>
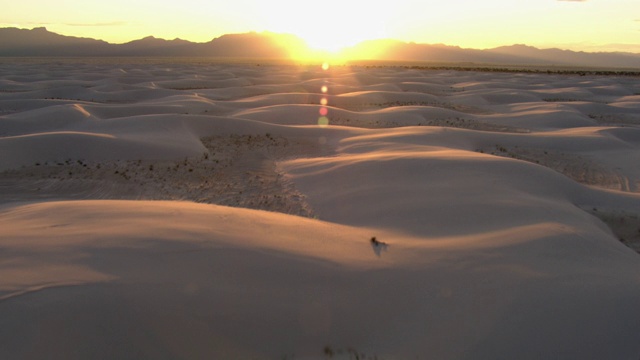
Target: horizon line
<point>390,39</point>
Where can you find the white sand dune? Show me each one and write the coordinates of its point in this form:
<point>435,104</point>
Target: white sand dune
<point>183,210</point>
<point>108,278</point>
<point>412,185</point>
<point>50,118</point>
<point>58,146</point>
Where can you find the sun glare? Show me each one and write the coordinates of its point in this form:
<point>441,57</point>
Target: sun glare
<point>330,26</point>
<point>333,38</point>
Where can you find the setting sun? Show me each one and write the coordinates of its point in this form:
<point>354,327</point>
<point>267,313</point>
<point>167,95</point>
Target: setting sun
<point>335,36</point>
<point>329,26</point>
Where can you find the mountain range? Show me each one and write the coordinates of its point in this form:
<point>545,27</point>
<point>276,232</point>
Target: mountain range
<point>40,42</point>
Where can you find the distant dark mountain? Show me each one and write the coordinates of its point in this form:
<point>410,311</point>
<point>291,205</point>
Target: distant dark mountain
<point>567,57</point>
<point>249,45</point>
<point>41,42</point>
<point>401,51</point>
<point>151,46</point>
<point>512,55</point>
<point>253,45</point>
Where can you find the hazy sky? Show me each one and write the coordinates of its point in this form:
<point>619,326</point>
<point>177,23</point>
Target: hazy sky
<point>589,25</point>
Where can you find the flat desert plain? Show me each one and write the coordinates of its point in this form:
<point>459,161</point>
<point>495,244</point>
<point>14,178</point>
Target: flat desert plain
<point>183,210</point>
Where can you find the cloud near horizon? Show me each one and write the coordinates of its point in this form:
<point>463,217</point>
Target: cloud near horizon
<point>40,23</point>
<point>112,23</point>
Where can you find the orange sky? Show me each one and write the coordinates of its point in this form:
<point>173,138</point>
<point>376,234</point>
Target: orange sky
<point>590,25</point>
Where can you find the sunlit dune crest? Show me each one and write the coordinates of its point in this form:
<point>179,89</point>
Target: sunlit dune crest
<point>196,208</point>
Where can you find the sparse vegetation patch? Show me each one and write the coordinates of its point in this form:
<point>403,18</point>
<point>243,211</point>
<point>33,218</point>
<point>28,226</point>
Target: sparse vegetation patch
<point>237,170</point>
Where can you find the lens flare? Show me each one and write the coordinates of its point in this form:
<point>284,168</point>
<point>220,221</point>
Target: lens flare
<point>324,89</point>
<point>324,101</point>
<point>324,111</point>
<point>325,66</point>
<point>323,121</point>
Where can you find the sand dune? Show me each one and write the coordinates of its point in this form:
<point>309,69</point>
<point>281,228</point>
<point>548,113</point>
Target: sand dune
<point>174,279</point>
<point>167,210</point>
